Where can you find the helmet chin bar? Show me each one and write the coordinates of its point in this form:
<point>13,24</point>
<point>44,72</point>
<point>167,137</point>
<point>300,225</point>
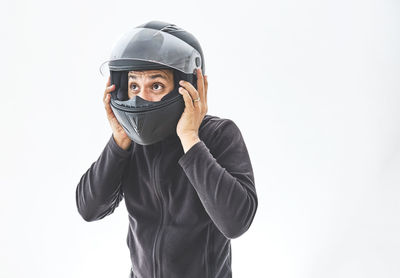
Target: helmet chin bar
<point>149,125</point>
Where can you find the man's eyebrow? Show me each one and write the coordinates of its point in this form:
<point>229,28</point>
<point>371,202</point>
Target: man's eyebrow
<point>154,76</point>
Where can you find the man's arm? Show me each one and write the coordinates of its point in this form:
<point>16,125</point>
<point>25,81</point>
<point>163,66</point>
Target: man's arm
<point>99,190</point>
<point>223,180</point>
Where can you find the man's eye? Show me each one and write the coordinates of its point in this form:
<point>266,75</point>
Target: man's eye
<point>134,87</point>
<point>157,86</point>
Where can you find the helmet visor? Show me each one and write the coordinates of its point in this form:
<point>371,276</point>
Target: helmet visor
<point>143,48</point>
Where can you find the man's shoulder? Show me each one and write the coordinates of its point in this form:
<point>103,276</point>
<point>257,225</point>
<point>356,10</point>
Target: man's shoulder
<point>213,126</point>
<point>211,123</point>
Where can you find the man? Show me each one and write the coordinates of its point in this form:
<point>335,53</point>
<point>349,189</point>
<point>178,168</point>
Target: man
<point>188,189</point>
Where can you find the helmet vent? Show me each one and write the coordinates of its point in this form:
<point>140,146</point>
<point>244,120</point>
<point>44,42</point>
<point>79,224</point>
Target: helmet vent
<point>170,28</point>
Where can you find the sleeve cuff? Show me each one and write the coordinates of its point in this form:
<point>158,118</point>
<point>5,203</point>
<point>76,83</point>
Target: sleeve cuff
<point>188,157</point>
<point>117,149</point>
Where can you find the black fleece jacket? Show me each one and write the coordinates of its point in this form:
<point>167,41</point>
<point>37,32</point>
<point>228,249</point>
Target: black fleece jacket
<point>183,207</point>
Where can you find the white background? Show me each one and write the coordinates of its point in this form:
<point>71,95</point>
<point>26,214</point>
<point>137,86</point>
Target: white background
<point>313,86</point>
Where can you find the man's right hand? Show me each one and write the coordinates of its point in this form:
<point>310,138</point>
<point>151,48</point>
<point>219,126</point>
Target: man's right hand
<point>119,134</point>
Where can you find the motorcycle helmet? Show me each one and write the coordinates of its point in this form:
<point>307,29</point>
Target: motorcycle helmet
<point>153,45</point>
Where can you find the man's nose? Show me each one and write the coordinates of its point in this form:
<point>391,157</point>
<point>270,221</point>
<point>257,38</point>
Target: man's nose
<point>146,94</point>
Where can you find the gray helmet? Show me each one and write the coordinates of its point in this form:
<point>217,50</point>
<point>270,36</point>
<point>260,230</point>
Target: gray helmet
<point>154,45</point>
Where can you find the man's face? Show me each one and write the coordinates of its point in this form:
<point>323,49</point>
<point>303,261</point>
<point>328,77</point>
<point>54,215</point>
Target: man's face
<point>150,85</point>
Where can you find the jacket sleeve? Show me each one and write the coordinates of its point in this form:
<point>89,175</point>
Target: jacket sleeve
<point>99,190</point>
<point>223,178</point>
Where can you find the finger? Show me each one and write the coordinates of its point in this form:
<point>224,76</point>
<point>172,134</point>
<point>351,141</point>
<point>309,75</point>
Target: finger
<point>107,106</point>
<point>108,89</point>
<point>200,84</point>
<point>110,115</point>
<point>205,87</point>
<point>194,94</point>
<point>108,81</point>
<point>187,98</point>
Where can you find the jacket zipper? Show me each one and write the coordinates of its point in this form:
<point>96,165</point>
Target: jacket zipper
<point>159,197</point>
<point>207,250</point>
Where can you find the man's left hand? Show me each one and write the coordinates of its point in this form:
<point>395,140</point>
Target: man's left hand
<point>195,110</point>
